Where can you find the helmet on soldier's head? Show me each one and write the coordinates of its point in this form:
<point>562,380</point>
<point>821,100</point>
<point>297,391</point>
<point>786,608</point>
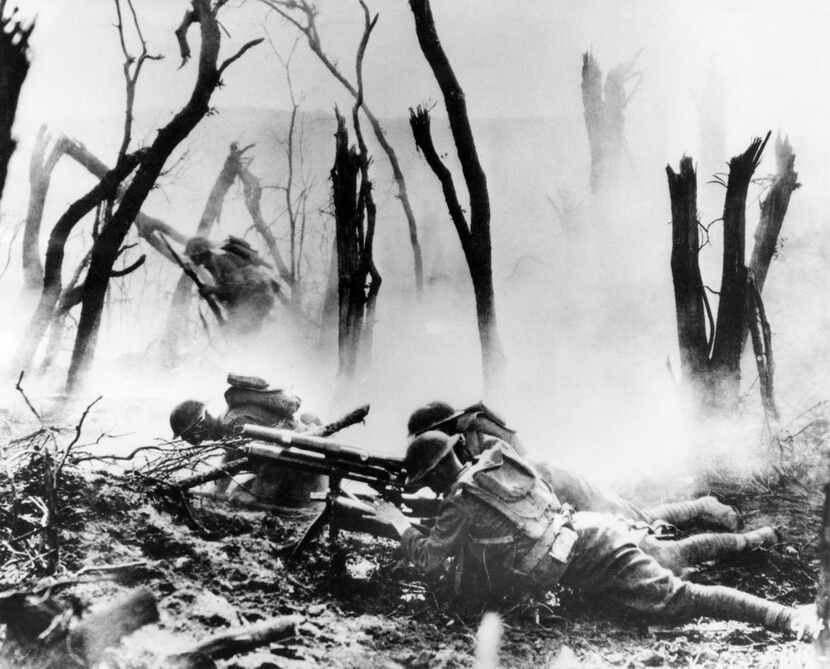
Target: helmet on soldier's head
<point>426,416</point>
<point>424,454</point>
<point>186,416</point>
<point>197,246</point>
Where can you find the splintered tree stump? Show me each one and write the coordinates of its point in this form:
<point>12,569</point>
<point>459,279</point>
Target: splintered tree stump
<point>235,641</point>
<point>105,629</point>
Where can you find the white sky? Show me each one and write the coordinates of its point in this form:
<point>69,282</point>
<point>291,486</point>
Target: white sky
<point>513,58</point>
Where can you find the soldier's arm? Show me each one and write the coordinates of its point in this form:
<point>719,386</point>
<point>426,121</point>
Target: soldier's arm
<point>429,552</point>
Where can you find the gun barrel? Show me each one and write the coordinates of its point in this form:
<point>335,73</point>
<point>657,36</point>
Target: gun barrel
<point>322,445</point>
<point>320,464</point>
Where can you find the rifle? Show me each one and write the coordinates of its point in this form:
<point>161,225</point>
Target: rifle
<point>343,509</point>
<point>188,270</point>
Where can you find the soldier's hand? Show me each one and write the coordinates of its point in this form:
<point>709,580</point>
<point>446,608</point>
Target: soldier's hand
<point>388,513</point>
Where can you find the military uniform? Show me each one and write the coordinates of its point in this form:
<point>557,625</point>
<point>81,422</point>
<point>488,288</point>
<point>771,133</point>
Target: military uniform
<point>250,400</point>
<point>505,518</point>
<point>243,290</point>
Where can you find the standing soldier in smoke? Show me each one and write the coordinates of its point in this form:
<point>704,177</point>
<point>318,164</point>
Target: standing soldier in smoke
<point>241,283</point>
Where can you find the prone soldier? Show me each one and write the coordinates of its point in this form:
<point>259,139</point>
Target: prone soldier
<point>251,400</point>
<point>502,514</point>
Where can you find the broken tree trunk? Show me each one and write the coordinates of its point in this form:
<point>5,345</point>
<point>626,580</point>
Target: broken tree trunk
<point>773,210</point>
<point>14,66</point>
<point>711,364</point>
<point>475,236</point>
<point>725,362</point>
<point>99,631</point>
<point>235,641</point>
<point>37,623</point>
<point>354,232</point>
<point>106,247</point>
<point>689,298</point>
<point>604,113</point>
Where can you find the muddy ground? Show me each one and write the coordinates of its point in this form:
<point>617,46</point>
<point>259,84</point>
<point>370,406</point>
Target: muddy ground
<point>212,565</point>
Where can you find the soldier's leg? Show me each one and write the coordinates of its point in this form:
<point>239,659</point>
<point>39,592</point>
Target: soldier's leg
<point>706,510</point>
<point>605,561</point>
<point>677,555</point>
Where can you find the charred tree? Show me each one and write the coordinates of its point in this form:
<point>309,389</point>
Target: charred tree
<point>475,235</point>
<point>358,280</point>
<point>773,210</point>
<point>604,110</point>
<point>290,10</point>
<point>106,248</point>
<point>711,365</point>
<point>14,66</point>
<point>689,296</point>
<point>52,284</point>
<point>725,361</point>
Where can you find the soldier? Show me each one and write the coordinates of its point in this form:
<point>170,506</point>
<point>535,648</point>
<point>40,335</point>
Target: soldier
<point>509,521</point>
<point>251,400</point>
<point>477,422</point>
<point>240,282</point>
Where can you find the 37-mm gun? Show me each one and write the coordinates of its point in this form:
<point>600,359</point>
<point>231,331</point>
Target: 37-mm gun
<point>343,510</point>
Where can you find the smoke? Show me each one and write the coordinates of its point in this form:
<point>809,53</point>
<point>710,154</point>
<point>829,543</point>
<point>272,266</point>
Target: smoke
<point>586,312</point>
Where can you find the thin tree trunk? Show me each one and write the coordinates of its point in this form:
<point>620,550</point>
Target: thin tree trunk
<point>105,250</point>
<point>310,31</point>
<point>823,589</point>
<point>479,256</point>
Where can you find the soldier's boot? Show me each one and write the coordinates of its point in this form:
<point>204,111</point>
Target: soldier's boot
<point>683,553</point>
<point>717,601</point>
<point>704,510</point>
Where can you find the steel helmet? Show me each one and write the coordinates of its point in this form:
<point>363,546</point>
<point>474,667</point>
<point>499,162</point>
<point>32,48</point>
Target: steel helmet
<point>425,452</point>
<point>186,416</point>
<point>423,418</point>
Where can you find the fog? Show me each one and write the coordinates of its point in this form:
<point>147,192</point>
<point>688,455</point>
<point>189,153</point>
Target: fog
<point>587,318</point>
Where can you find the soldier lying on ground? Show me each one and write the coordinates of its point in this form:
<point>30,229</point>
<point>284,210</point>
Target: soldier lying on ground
<point>477,423</point>
<point>240,283</point>
<point>250,400</point>
<point>504,515</point>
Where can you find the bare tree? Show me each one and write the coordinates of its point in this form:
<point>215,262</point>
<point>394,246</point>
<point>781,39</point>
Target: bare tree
<point>14,66</point>
<point>604,108</point>
<point>711,364</point>
<point>106,248</point>
<point>41,166</point>
<point>475,236</point>
<point>302,15</point>
<point>358,279</point>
